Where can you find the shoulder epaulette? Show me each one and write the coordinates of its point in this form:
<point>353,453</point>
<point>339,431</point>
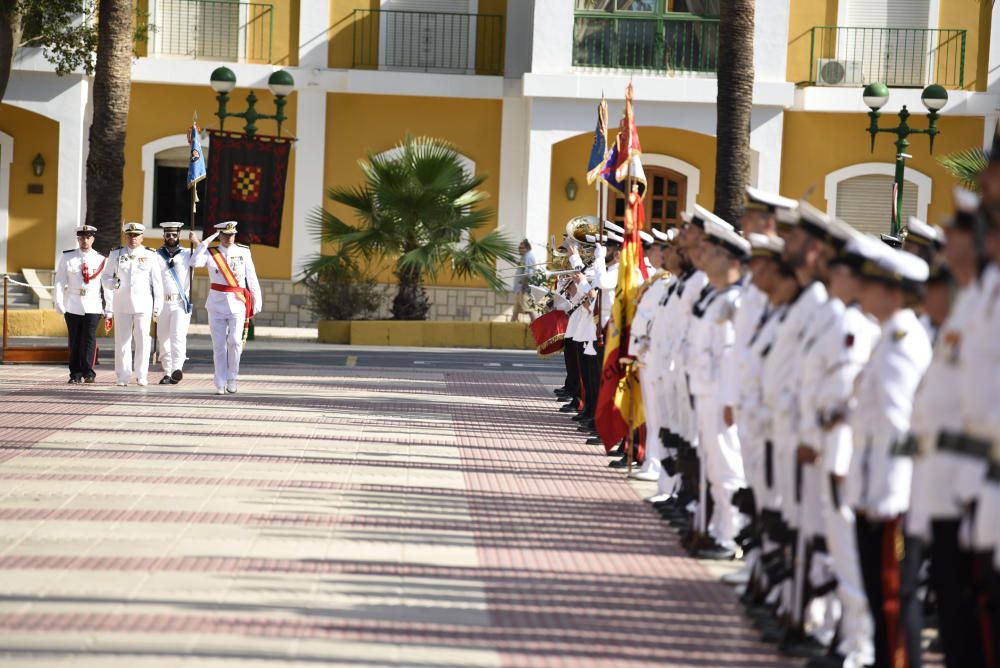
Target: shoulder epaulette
<point>116,248</point>
<point>70,250</point>
<point>243,246</point>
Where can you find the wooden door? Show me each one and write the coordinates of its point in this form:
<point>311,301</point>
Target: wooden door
<point>666,196</point>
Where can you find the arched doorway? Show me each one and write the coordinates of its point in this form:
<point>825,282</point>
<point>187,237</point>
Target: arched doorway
<point>665,199</point>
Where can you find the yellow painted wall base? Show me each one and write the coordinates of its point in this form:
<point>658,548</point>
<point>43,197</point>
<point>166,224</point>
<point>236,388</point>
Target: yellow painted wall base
<point>427,334</point>
<point>41,322</point>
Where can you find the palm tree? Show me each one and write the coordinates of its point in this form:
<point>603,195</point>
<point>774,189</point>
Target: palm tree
<point>965,166</point>
<point>112,89</point>
<point>734,105</point>
<point>416,208</point>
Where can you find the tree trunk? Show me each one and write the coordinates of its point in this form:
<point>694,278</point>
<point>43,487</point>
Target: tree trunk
<point>112,88</point>
<point>733,108</point>
<point>10,35</point>
<point>410,302</point>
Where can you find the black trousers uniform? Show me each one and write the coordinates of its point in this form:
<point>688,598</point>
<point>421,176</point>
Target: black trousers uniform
<point>82,344</point>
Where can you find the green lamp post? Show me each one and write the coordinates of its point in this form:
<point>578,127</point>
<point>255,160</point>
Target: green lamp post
<point>223,81</point>
<point>875,95</point>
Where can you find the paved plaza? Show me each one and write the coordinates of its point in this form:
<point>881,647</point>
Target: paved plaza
<point>337,512</point>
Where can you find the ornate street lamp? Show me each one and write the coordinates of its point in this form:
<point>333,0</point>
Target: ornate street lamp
<point>280,83</point>
<point>875,95</point>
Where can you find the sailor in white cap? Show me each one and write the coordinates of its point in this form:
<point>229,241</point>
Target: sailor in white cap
<point>233,298</point>
<point>878,483</point>
<point>712,344</point>
<point>923,240</point>
<point>781,392</point>
<point>775,279</point>
<point>946,475</point>
<point>77,296</point>
<point>649,295</point>
<point>175,316</point>
<point>132,277</point>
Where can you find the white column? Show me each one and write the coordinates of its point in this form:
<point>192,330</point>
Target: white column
<point>537,180</point>
<point>511,219</point>
<point>552,37</point>
<point>993,81</point>
<point>310,158</point>
<point>6,156</point>
<point>766,129</point>
<point>770,40</point>
<point>310,127</point>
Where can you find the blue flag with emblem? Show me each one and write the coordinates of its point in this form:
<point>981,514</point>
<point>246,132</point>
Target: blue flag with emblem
<point>599,149</point>
<point>196,165</point>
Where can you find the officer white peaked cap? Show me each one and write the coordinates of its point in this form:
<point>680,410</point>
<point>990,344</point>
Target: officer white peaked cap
<point>612,227</point>
<point>907,266</point>
<point>920,232</point>
<point>611,236</point>
<point>724,235</point>
<point>171,225</point>
<point>965,200</point>
<point>646,237</point>
<point>763,200</point>
<point>660,237</point>
<point>788,217</point>
<point>765,245</point>
<point>705,216</point>
<point>672,234</point>
<point>841,231</point>
<point>133,228</point>
<point>227,227</point>
<point>86,229</point>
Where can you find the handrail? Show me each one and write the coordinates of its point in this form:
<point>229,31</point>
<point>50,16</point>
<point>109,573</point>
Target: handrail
<point>453,42</point>
<point>226,30</point>
<point>897,57</point>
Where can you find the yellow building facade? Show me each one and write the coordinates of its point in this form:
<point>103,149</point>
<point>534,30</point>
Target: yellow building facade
<point>514,86</point>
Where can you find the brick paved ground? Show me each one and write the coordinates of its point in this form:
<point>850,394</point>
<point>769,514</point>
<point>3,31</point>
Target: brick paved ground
<point>342,515</point>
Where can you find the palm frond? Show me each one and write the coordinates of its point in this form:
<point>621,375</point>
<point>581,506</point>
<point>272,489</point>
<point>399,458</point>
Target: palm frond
<point>965,166</point>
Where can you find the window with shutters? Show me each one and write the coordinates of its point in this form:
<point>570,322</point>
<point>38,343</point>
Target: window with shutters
<point>889,39</point>
<point>664,201</point>
<point>866,202</point>
<point>423,35</point>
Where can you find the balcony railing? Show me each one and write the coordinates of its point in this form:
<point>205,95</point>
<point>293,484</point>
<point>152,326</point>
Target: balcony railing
<point>899,57</point>
<point>211,30</point>
<point>428,41</point>
<point>675,43</point>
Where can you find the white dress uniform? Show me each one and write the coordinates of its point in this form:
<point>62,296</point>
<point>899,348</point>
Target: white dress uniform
<point>226,312</point>
<point>697,290</point>
<point>77,297</point>
<point>652,398</point>
<point>175,316</point>
<point>133,278</point>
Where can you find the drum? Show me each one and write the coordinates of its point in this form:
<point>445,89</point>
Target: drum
<point>548,331</point>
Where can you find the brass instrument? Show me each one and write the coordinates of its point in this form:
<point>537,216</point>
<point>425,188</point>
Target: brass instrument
<point>577,230</point>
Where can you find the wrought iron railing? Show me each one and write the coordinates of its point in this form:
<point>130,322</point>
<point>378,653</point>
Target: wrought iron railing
<point>898,57</point>
<point>211,30</point>
<point>428,41</point>
<point>678,43</point>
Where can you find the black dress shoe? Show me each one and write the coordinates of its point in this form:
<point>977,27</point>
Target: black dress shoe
<point>568,408</point>
<point>618,452</point>
<point>90,379</point>
<point>832,660</point>
<point>621,463</point>
<point>166,381</point>
<point>560,390</point>
<point>74,381</point>
<point>803,647</point>
<point>177,376</point>
<point>715,552</point>
<point>580,417</point>
<point>595,440</point>
<point>586,426</point>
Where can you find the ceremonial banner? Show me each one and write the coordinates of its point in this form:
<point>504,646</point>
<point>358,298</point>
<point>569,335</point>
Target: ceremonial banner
<point>196,166</point>
<point>599,150</point>
<point>629,152</point>
<point>619,404</point>
<point>246,183</point>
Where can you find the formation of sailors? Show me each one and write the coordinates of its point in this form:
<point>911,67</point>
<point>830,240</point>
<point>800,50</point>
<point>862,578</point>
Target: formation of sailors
<point>822,405</point>
<point>135,287</point>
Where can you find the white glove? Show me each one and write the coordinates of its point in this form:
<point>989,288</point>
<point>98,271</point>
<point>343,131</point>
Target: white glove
<point>600,252</point>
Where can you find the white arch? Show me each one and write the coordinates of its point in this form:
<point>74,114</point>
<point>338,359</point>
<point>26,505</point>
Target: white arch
<point>834,178</point>
<point>690,172</point>
<point>6,157</point>
<point>149,151</point>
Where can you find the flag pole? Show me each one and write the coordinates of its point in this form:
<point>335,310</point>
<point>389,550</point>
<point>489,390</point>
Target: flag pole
<point>194,207</point>
<point>630,234</point>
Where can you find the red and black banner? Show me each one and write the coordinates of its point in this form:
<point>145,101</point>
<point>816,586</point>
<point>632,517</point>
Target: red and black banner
<point>246,183</point>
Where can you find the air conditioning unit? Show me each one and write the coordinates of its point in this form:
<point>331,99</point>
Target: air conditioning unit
<point>837,72</point>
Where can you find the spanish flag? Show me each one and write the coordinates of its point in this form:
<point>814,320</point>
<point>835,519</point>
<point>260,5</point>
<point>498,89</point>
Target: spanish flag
<point>619,404</point>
